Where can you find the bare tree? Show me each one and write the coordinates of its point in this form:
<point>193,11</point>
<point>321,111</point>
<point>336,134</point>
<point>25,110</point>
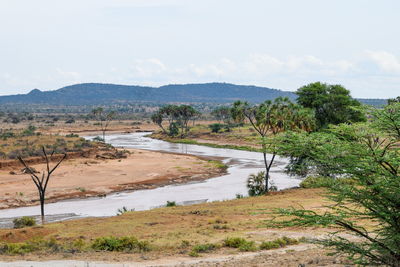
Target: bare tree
<point>104,119</point>
<point>42,182</point>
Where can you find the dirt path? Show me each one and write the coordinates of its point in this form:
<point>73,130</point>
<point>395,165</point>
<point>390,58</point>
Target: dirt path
<point>306,254</point>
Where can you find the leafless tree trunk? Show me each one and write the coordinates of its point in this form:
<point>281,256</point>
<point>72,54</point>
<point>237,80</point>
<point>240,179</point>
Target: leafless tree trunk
<point>42,182</point>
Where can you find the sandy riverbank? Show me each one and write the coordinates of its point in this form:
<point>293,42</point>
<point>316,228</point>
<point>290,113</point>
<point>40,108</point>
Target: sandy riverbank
<point>86,177</point>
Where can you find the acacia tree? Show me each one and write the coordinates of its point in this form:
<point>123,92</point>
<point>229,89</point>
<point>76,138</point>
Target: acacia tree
<point>333,104</point>
<point>178,118</point>
<point>222,114</point>
<point>185,113</point>
<point>271,118</point>
<point>157,118</point>
<point>104,119</point>
<point>369,156</point>
<point>42,181</point>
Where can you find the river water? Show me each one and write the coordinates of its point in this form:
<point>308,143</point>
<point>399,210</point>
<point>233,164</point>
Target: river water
<point>240,165</point>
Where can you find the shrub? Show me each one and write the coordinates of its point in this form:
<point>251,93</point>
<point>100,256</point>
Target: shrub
<point>71,135</point>
<point>234,242</point>
<point>173,129</point>
<point>98,139</point>
<point>24,222</point>
<point>16,248</point>
<point>240,243</point>
<point>120,244</point>
<point>278,243</point>
<point>248,246</point>
<point>215,127</point>
<point>123,210</point>
<point>171,203</point>
<point>256,184</point>
<point>203,248</point>
<point>29,131</point>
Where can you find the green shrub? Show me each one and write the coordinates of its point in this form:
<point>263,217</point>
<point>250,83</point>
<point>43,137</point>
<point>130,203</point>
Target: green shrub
<point>278,243</point>
<point>234,242</point>
<point>203,248</point>
<point>123,210</point>
<point>71,135</point>
<point>171,203</point>
<point>98,139</point>
<point>215,127</point>
<point>24,222</point>
<point>239,196</point>
<point>240,243</point>
<point>248,246</point>
<point>256,184</point>
<point>120,244</point>
<point>16,248</point>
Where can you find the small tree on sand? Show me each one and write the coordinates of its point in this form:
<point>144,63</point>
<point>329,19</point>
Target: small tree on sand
<point>104,118</point>
<point>41,181</point>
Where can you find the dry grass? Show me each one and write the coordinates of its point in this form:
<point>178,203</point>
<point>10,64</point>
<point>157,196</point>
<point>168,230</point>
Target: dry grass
<point>166,229</point>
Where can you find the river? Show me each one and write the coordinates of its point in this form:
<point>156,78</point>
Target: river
<point>240,165</point>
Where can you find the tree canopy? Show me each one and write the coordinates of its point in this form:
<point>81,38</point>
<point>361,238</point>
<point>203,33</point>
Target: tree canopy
<point>332,103</point>
<point>368,206</point>
<point>271,118</point>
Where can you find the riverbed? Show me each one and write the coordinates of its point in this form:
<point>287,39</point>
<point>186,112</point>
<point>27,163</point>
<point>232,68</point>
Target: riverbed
<point>240,165</point>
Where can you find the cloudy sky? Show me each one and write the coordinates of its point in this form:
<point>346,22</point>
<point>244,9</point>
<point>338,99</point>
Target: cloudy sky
<point>284,44</point>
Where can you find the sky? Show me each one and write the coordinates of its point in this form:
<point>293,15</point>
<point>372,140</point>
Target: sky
<point>283,44</point>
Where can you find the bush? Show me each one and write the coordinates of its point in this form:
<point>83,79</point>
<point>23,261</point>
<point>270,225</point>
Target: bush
<point>30,131</point>
<point>24,222</point>
<point>204,248</point>
<point>16,248</point>
<point>123,210</point>
<point>278,243</point>
<point>71,135</point>
<point>173,129</point>
<point>171,203</point>
<point>215,127</point>
<point>256,184</point>
<point>126,244</point>
<point>240,243</point>
<point>98,139</point>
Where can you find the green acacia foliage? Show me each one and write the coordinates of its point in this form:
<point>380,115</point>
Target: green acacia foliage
<point>177,117</point>
<point>369,155</point>
<point>271,118</point>
<point>388,118</point>
<point>332,103</point>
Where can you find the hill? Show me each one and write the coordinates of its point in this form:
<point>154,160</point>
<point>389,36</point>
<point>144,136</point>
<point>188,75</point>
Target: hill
<point>97,93</point>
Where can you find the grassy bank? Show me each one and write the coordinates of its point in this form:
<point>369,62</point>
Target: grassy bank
<point>195,142</point>
<point>180,230</point>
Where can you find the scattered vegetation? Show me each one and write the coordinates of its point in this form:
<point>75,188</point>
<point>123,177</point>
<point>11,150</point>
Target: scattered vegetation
<point>278,243</point>
<point>126,244</point>
<point>24,222</point>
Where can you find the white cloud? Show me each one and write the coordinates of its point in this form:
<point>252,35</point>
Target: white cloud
<point>365,76</point>
<point>385,60</point>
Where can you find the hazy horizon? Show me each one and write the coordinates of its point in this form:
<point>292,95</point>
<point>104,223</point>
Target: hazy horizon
<point>155,86</point>
<point>276,44</point>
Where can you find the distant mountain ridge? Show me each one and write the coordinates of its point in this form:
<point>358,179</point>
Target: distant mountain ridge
<point>98,93</point>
